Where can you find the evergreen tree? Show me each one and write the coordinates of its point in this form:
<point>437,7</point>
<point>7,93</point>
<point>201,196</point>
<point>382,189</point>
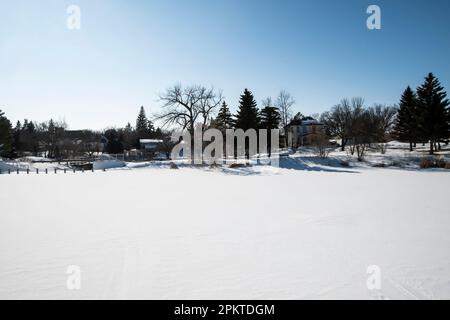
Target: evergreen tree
<point>270,119</point>
<point>433,111</point>
<point>51,138</point>
<point>17,133</point>
<point>114,145</point>
<point>128,128</point>
<point>144,128</point>
<point>142,124</point>
<point>5,135</point>
<point>30,138</point>
<point>224,119</point>
<point>406,123</point>
<point>270,116</point>
<point>247,116</point>
<point>150,128</point>
<point>128,136</point>
<point>29,126</point>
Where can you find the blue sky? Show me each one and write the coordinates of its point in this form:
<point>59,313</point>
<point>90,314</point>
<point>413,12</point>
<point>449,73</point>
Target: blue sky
<point>127,52</point>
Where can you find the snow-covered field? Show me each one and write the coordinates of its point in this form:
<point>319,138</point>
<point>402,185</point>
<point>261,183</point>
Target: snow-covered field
<point>304,231</point>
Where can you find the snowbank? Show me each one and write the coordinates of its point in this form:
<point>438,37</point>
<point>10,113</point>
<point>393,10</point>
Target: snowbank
<point>4,167</point>
<point>108,164</point>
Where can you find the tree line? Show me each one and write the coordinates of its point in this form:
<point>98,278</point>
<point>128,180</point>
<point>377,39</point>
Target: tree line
<point>184,107</point>
<point>421,117</point>
<point>52,139</point>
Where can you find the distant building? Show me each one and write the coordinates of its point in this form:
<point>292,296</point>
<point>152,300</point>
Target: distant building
<point>150,144</point>
<point>304,131</point>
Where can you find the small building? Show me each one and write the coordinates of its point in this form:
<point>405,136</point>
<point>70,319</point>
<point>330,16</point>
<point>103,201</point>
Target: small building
<point>304,131</point>
<point>150,144</point>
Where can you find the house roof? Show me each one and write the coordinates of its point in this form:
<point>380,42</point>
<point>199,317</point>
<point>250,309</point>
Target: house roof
<point>305,121</point>
<point>145,141</point>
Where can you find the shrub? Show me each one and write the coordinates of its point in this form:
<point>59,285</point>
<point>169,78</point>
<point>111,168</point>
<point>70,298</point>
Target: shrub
<point>215,165</point>
<point>427,163</point>
<point>321,144</point>
<point>173,166</point>
<point>345,164</point>
<point>379,165</point>
<point>239,165</point>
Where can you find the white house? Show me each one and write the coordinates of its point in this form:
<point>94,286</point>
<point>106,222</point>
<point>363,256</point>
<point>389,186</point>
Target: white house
<point>304,131</point>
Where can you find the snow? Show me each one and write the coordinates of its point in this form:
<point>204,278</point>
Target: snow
<point>308,230</point>
<point>5,166</point>
<point>108,164</point>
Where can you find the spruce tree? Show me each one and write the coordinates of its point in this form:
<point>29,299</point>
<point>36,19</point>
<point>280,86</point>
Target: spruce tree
<point>270,116</point>
<point>247,116</point>
<point>51,138</point>
<point>114,145</point>
<point>406,123</point>
<point>433,111</point>
<point>224,119</point>
<point>142,123</point>
<point>17,131</point>
<point>5,134</point>
<point>270,119</point>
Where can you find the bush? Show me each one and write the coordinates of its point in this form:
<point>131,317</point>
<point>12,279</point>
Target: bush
<point>215,165</point>
<point>345,164</point>
<point>427,163</point>
<point>321,145</point>
<point>379,165</point>
<point>173,166</point>
<point>239,165</point>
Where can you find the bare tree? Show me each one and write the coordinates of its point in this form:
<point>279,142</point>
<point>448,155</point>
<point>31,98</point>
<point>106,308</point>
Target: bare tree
<point>284,103</point>
<point>337,121</point>
<point>181,107</point>
<point>184,107</point>
<point>382,120</point>
<point>210,101</point>
<point>321,144</point>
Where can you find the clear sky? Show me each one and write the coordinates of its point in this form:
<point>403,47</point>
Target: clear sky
<point>128,51</point>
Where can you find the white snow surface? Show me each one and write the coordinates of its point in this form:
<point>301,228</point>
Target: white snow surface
<point>302,232</point>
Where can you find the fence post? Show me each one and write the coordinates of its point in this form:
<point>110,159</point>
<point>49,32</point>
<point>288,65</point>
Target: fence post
<point>17,171</point>
<point>9,171</point>
<point>55,170</point>
<point>73,170</point>
<point>37,171</point>
<point>46,171</point>
<point>28,170</point>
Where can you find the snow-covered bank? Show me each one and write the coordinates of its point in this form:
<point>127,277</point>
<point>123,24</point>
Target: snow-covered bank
<point>5,166</point>
<point>256,233</point>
